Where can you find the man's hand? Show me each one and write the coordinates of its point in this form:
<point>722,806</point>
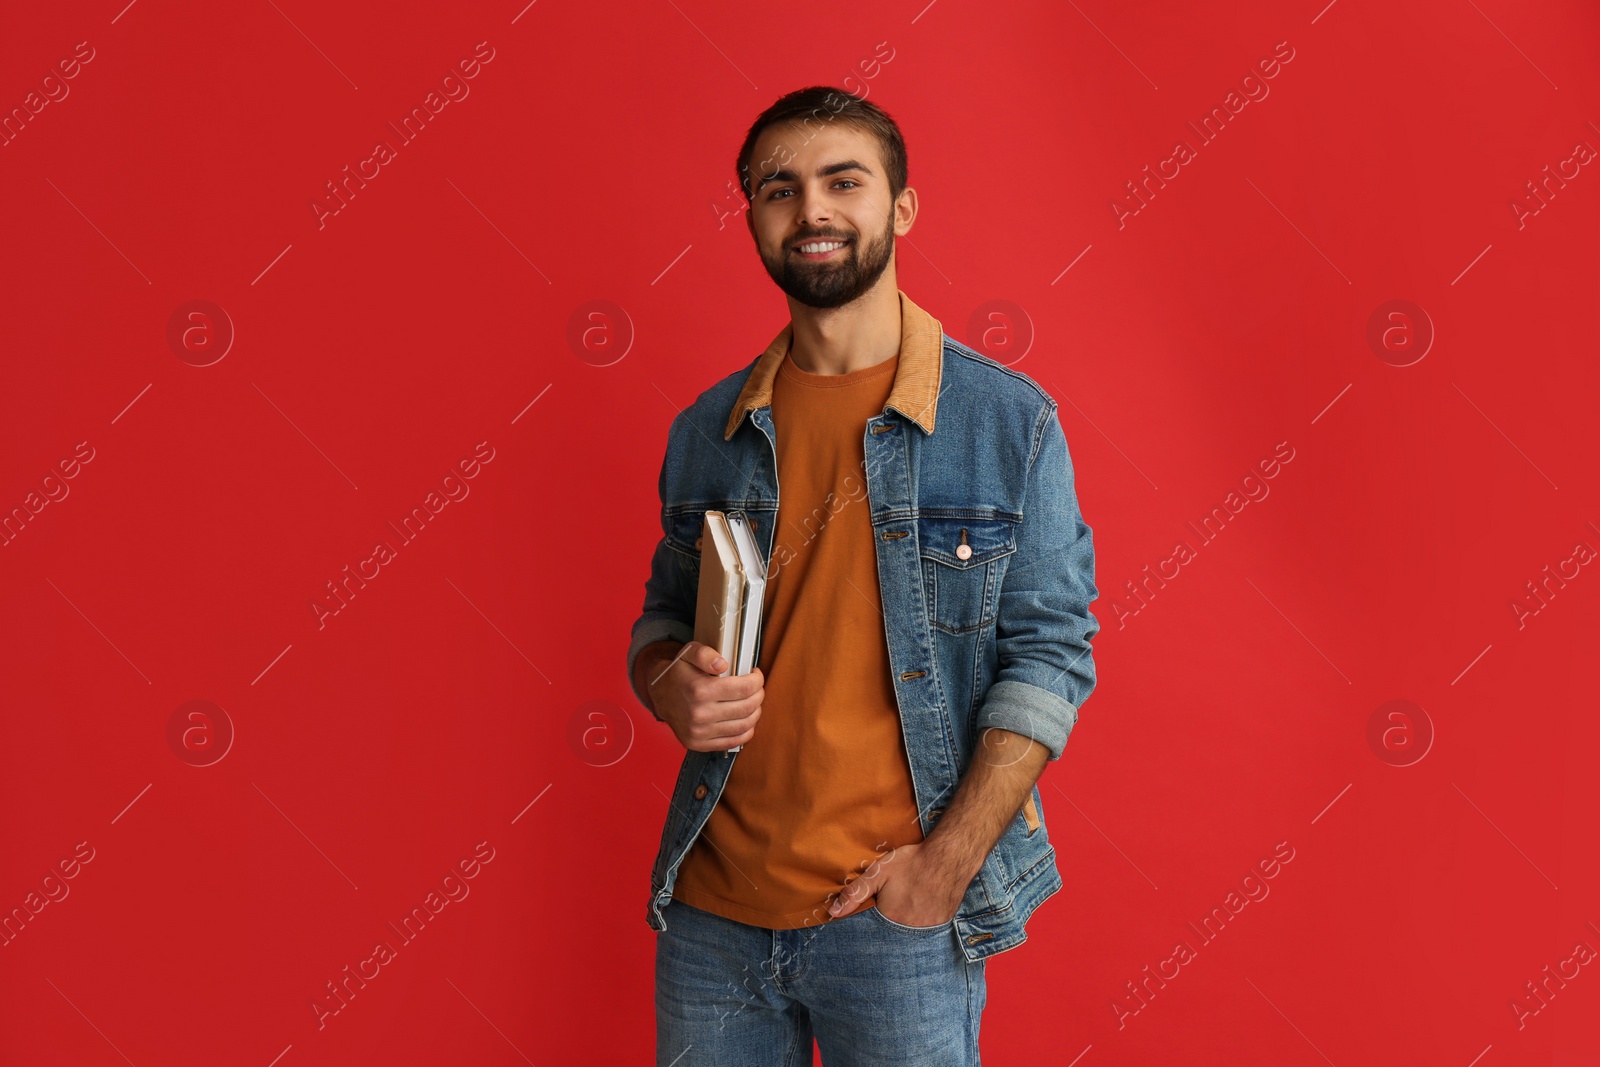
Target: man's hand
<point>923,884</point>
<point>707,713</point>
<point>911,890</point>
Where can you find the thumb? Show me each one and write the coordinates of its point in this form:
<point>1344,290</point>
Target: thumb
<point>707,659</point>
<point>854,893</point>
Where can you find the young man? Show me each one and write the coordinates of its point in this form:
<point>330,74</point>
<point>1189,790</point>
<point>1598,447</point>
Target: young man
<point>925,644</point>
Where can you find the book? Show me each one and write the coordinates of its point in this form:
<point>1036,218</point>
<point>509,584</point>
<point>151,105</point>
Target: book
<point>732,590</point>
<point>755,589</point>
<point>721,593</point>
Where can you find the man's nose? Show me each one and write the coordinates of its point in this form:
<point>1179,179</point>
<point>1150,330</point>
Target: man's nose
<point>813,206</point>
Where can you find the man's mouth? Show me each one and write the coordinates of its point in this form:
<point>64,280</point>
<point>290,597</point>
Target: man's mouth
<point>819,250</point>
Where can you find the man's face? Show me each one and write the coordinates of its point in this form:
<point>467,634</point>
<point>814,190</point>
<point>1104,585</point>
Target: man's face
<point>823,191</point>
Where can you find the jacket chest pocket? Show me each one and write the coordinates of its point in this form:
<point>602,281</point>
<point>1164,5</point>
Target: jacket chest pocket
<point>684,525</point>
<point>963,559</point>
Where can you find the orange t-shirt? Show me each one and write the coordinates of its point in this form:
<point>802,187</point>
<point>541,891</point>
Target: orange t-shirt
<point>823,787</point>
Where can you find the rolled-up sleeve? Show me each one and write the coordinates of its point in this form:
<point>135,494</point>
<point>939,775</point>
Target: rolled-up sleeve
<point>1044,628</point>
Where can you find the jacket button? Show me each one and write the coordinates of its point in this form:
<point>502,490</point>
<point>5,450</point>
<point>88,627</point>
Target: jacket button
<point>700,791</point>
<point>963,551</point>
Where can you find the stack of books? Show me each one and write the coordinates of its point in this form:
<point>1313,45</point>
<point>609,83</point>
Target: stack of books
<point>733,583</point>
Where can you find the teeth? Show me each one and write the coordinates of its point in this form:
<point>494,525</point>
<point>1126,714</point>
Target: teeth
<point>821,246</point>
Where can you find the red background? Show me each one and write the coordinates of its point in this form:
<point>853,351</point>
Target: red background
<point>451,701</point>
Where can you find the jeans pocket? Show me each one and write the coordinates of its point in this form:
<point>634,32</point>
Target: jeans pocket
<point>901,928</point>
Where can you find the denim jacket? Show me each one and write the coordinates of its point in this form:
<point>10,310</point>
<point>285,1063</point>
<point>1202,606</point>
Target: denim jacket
<point>985,570</point>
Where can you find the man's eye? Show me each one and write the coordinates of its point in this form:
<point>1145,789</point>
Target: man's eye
<point>851,182</point>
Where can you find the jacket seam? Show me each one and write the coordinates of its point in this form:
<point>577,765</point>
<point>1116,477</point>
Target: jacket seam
<point>975,356</point>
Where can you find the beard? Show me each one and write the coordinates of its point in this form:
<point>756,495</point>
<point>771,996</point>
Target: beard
<point>835,282</point>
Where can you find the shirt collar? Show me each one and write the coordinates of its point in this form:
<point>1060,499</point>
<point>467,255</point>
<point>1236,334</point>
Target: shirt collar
<point>915,393</point>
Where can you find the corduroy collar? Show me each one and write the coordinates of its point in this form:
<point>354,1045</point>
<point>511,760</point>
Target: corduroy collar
<point>915,393</point>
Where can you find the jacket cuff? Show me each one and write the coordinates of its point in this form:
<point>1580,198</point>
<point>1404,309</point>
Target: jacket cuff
<point>1030,711</point>
<point>647,632</point>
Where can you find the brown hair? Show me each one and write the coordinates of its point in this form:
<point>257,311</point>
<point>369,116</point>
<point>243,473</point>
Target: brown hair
<point>825,104</point>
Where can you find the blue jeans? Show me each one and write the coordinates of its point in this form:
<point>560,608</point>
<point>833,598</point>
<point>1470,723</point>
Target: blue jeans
<point>872,992</point>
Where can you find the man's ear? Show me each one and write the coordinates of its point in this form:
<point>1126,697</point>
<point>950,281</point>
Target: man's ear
<point>905,211</point>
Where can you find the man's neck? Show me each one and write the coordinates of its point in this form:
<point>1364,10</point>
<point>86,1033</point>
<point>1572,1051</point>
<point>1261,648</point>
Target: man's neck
<point>840,340</point>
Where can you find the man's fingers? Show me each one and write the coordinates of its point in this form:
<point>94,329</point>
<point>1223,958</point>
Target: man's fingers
<point>729,689</point>
<point>740,739</point>
<point>728,730</point>
<point>742,707</point>
<point>731,732</point>
<point>738,686</point>
<point>736,725</point>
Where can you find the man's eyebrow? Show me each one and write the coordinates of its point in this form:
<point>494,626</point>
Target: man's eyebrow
<point>822,172</point>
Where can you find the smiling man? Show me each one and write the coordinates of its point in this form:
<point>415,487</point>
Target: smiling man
<point>925,644</point>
